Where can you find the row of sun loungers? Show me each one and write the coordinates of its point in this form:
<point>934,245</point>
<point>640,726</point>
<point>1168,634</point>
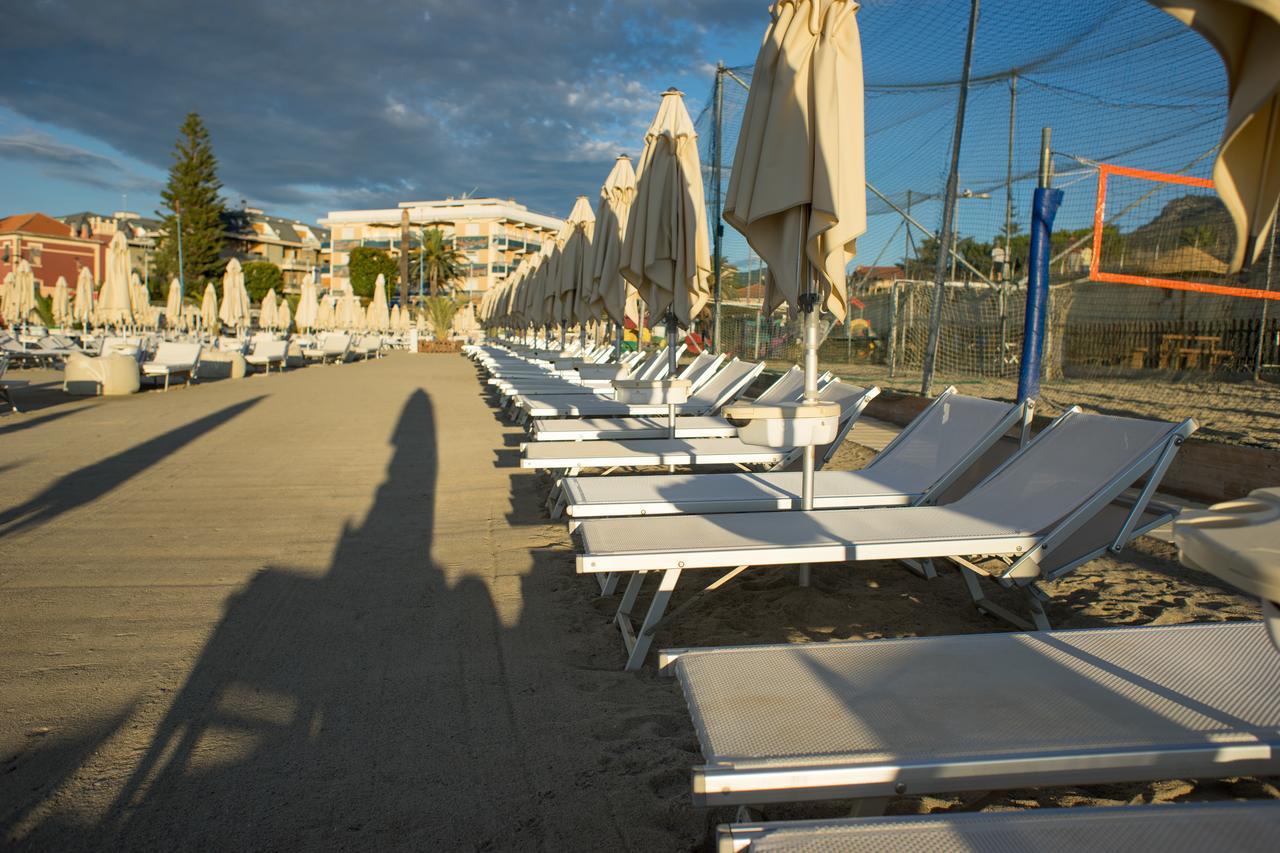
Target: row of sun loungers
<point>875,719</point>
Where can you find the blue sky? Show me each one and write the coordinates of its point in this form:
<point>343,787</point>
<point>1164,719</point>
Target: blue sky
<point>324,105</point>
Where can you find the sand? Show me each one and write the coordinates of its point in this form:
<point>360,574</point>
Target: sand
<point>324,610</point>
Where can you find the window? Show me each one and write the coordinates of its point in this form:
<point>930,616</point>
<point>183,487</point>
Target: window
<point>34,253</point>
<point>469,244</point>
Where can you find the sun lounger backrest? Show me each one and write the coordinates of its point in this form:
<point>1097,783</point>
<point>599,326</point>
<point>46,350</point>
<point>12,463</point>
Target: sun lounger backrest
<point>336,344</point>
<point>727,384</point>
<point>177,354</point>
<point>784,388</point>
<point>952,429</point>
<point>852,399</point>
<point>697,367</point>
<point>1076,458</point>
<point>651,364</point>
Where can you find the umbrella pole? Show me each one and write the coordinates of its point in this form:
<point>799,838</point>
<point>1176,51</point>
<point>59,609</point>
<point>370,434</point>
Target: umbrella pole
<point>672,331</point>
<point>809,305</point>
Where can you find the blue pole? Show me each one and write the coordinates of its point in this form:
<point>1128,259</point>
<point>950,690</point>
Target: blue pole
<point>1044,207</point>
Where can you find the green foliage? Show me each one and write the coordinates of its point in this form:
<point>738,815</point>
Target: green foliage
<point>365,265</point>
<point>192,188</point>
<point>440,311</point>
<point>44,307</point>
<point>730,282</point>
<point>436,265</point>
<point>261,276</point>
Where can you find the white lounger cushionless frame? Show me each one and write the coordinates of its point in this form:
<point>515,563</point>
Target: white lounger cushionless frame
<point>172,359</point>
<point>1251,827</point>
<point>574,456</point>
<point>697,371</point>
<point>786,388</point>
<point>728,383</point>
<point>979,712</point>
<point>921,462</point>
<point>1055,504</point>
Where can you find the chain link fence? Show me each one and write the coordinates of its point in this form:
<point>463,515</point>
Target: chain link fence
<point>1120,83</point>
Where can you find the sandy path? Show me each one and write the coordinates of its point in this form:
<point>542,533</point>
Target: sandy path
<point>303,612</point>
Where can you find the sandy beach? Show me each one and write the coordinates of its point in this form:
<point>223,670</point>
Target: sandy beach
<point>325,610</point>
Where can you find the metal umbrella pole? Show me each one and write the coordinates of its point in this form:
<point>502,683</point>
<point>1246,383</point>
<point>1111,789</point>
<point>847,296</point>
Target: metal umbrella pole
<point>809,306</point>
<point>672,331</point>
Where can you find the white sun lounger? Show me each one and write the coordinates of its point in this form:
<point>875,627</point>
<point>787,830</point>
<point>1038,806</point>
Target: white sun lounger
<point>698,371</point>
<point>333,348</point>
<point>980,712</point>
<point>729,383</point>
<point>921,462</point>
<point>7,385</point>
<point>172,359</point>
<point>1251,827</point>
<point>696,452</point>
<point>1055,504</point>
<point>787,388</point>
<point>268,352</point>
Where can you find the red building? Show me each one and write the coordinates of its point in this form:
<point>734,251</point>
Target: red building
<point>52,249</point>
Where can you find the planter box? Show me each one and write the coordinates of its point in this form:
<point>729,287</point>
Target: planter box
<point>439,346</point>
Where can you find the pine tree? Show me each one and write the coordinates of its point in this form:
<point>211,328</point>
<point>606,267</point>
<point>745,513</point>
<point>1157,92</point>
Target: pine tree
<point>192,189</point>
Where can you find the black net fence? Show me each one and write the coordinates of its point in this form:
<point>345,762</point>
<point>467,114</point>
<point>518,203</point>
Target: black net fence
<point>1143,317</point>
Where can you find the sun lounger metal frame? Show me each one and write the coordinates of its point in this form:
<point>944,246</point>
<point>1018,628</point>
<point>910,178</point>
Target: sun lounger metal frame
<point>1248,827</point>
<point>1026,557</point>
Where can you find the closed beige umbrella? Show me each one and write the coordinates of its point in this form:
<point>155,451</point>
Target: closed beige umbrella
<point>1246,33</point>
<point>284,318</point>
<point>348,311</point>
<point>82,308</point>
<point>61,305</point>
<point>173,305</point>
<point>139,300</point>
<point>267,310</point>
<point>209,310</point>
<point>324,315</point>
<point>379,317</point>
<point>666,255</point>
<point>798,186</point>
<point>23,290</point>
<point>799,177</point>
<point>610,292</point>
<point>115,306</point>
<point>308,309</point>
<point>235,304</point>
<point>574,270</point>
<point>393,321</point>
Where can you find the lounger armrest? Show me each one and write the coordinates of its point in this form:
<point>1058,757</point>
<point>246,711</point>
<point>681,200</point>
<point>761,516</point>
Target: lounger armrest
<point>652,392</point>
<point>786,424</point>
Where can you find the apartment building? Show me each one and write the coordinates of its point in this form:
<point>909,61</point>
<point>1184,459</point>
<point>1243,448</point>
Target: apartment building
<point>493,234</point>
<point>295,247</point>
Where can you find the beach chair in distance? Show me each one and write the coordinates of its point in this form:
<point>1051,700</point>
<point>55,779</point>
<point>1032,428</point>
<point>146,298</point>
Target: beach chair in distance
<point>7,385</point>
<point>609,456</point>
<point>1249,827</point>
<point>172,359</point>
<point>1056,504</point>
<point>268,352</point>
<point>788,387</point>
<point>877,718</point>
<point>332,350</point>
<point>916,467</point>
<point>698,371</point>
<point>729,382</point>
<point>701,371</point>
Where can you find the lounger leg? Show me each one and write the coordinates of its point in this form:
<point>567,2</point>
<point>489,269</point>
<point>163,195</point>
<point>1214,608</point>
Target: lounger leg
<point>608,583</point>
<point>644,637</point>
<point>923,568</point>
<point>629,597</point>
<point>989,607</point>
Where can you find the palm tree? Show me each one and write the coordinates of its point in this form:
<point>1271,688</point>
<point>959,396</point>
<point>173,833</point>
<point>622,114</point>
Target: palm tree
<point>438,262</point>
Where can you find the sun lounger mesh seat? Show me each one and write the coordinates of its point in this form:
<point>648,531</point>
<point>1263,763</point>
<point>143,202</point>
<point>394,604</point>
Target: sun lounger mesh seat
<point>1053,506</point>
<point>949,435</point>
<point>696,451</point>
<point>727,384</point>
<point>980,712</point>
<point>786,388</point>
<point>1244,827</point>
